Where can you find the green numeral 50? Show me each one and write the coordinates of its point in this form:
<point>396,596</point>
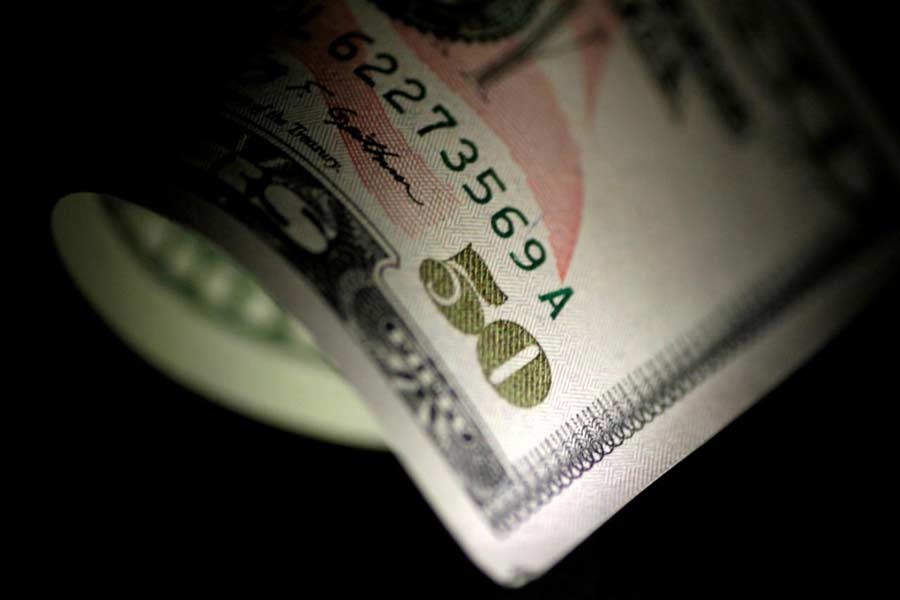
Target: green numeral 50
<point>511,358</point>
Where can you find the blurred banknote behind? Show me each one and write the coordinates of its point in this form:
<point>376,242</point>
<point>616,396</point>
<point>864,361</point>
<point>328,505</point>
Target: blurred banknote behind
<point>191,311</point>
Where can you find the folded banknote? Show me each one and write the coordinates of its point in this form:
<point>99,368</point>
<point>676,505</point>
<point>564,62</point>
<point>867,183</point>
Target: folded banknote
<point>540,250</point>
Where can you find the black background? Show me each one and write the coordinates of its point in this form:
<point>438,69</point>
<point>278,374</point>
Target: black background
<point>140,483</point>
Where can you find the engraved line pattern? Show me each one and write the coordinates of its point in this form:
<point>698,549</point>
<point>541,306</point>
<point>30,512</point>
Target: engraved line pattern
<point>624,409</point>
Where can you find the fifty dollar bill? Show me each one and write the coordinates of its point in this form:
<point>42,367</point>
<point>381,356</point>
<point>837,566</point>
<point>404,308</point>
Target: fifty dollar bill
<point>556,246</point>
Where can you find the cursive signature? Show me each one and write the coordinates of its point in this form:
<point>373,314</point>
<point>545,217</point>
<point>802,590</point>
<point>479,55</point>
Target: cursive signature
<point>340,118</point>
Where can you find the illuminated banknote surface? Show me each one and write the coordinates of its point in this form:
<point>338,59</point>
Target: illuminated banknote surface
<point>554,245</point>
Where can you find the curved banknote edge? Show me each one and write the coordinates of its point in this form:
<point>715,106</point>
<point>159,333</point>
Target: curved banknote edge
<point>179,302</point>
<point>553,273</point>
